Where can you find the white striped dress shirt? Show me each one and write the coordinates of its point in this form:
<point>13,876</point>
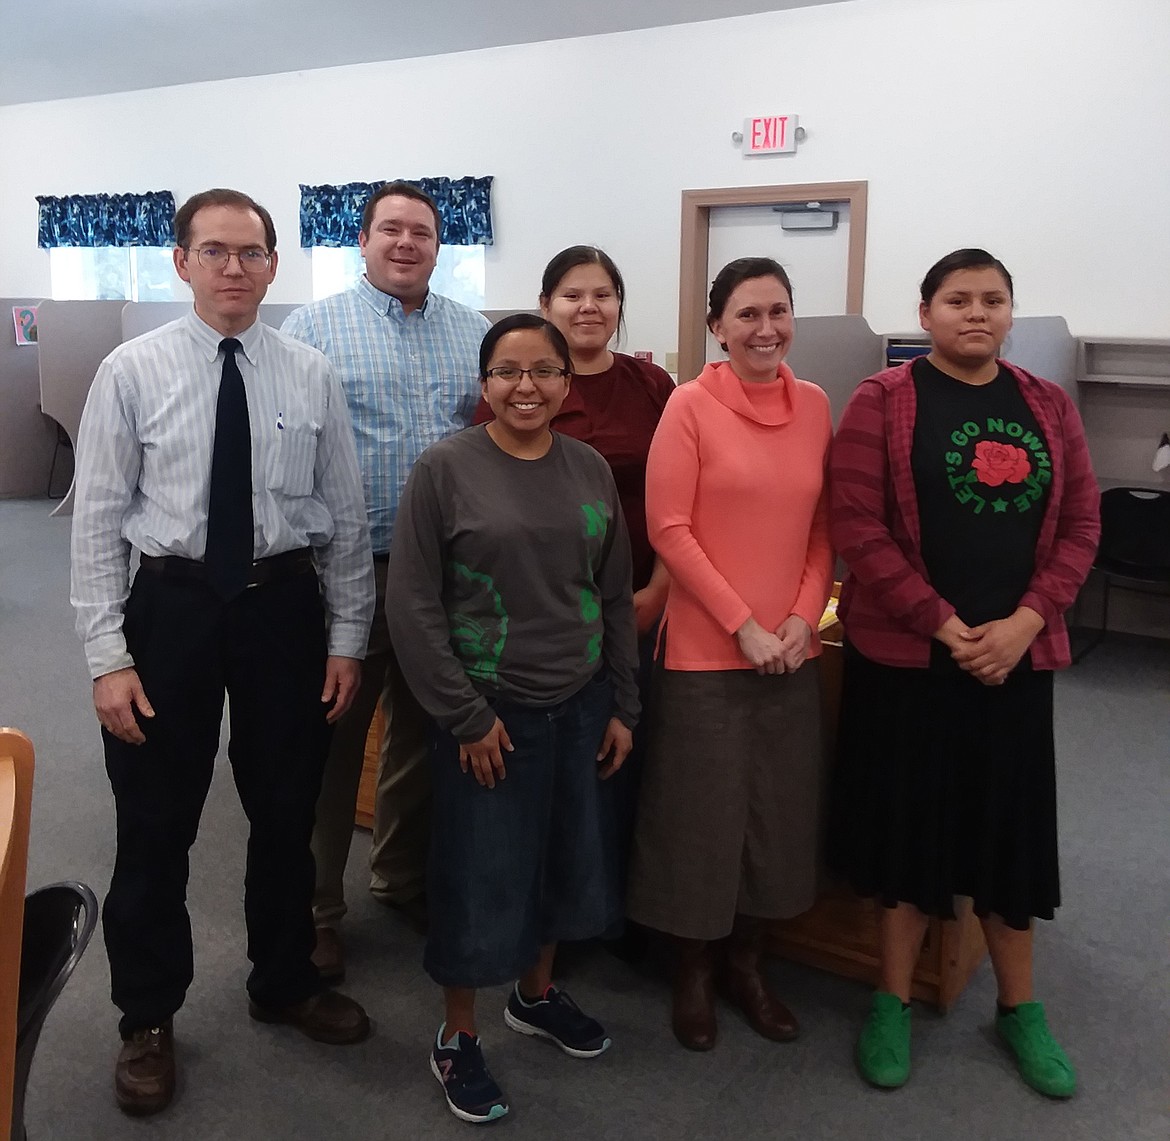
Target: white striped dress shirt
<point>410,380</point>
<point>144,474</point>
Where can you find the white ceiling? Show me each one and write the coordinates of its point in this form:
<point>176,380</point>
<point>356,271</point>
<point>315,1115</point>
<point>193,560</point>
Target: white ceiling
<point>57,49</point>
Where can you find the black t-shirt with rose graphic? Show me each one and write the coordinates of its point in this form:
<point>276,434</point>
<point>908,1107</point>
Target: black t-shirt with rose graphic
<point>982,472</point>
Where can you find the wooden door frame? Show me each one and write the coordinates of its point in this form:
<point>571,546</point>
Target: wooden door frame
<point>694,247</point>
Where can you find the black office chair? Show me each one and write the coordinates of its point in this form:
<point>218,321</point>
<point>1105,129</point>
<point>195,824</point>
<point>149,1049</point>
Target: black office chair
<point>58,923</point>
<point>63,441</point>
<point>1134,553</point>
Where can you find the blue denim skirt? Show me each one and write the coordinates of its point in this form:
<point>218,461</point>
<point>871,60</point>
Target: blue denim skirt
<point>529,862</point>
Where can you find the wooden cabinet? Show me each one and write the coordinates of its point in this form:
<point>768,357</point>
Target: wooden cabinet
<point>840,932</point>
<point>364,815</point>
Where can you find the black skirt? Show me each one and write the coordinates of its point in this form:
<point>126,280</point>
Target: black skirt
<point>945,787</point>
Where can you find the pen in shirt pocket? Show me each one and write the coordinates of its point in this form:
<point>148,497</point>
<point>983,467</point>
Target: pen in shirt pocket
<point>280,421</point>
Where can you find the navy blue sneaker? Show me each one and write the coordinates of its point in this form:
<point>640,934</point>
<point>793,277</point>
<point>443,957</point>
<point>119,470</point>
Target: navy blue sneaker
<point>559,1019</point>
<point>471,1092</point>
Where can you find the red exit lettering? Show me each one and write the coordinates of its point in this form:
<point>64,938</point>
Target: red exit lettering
<point>769,133</point>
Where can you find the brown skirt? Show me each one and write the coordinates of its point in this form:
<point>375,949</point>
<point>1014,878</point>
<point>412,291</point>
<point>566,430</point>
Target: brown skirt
<point>729,816</point>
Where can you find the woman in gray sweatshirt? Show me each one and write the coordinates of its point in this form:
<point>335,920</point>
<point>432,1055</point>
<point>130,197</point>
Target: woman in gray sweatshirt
<point>511,612</point>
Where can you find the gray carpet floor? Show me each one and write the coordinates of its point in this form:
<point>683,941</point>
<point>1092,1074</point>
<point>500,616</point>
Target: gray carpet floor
<point>1101,966</point>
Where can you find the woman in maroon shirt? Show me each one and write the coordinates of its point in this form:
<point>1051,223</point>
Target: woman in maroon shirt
<point>965,507</point>
<point>614,405</point>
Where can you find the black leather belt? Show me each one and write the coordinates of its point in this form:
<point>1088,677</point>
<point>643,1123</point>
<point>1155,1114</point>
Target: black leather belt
<point>272,569</point>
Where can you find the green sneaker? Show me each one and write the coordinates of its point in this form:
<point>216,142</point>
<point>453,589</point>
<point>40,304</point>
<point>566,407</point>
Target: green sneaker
<point>1041,1061</point>
<point>883,1047</point>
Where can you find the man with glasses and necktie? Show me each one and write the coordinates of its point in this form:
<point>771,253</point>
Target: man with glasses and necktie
<point>222,451</point>
<point>408,359</point>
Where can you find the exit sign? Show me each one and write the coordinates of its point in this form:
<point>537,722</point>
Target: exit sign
<point>769,135</point>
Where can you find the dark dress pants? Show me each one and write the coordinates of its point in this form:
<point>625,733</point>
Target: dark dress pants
<point>266,649</point>
<point>625,785</point>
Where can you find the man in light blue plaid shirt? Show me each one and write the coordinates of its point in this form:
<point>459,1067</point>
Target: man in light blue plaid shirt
<point>408,361</point>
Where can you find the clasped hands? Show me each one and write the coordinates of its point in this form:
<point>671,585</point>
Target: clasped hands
<point>783,651</point>
<point>485,757</point>
<point>991,651</point>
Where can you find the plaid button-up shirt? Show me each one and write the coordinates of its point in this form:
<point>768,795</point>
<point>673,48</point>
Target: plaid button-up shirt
<point>409,380</point>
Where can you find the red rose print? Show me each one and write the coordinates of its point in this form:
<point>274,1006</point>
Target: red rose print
<point>997,463</point>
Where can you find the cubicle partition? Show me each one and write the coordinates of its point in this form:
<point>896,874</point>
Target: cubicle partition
<point>836,353</point>
<point>26,436</point>
<point>1045,347</point>
<point>75,336</point>
<point>1125,402</point>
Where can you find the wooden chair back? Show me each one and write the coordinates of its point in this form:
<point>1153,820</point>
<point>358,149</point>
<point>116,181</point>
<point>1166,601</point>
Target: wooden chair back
<point>16,779</point>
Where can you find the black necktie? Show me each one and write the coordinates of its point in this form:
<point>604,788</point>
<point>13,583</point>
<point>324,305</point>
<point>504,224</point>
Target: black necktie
<point>229,509</point>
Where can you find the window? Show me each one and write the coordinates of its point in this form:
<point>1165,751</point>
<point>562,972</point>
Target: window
<point>111,273</point>
<point>459,273</point>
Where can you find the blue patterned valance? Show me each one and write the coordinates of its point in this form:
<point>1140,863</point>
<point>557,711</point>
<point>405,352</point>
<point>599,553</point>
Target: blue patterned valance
<point>106,220</point>
<point>332,215</point>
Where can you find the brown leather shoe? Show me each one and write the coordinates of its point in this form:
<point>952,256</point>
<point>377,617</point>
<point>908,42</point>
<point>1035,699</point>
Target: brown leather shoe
<point>326,1017</point>
<point>748,989</point>
<point>692,1016</point>
<point>144,1075</point>
<point>329,955</point>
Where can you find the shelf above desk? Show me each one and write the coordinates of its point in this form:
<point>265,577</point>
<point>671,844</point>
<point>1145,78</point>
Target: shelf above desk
<point>1139,362</point>
<point>1127,381</point>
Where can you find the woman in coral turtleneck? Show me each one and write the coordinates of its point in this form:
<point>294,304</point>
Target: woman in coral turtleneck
<point>728,821</point>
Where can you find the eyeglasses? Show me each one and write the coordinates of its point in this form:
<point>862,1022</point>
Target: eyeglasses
<point>540,372</point>
<point>252,259</point>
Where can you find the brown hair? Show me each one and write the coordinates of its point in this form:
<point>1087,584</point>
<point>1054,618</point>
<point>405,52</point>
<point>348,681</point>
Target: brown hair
<point>400,190</point>
<point>220,197</point>
<point>734,274</point>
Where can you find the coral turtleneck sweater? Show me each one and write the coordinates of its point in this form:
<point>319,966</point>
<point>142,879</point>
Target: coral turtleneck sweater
<point>736,507</point>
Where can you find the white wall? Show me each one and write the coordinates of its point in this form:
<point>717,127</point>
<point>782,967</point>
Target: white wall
<point>1038,128</point>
